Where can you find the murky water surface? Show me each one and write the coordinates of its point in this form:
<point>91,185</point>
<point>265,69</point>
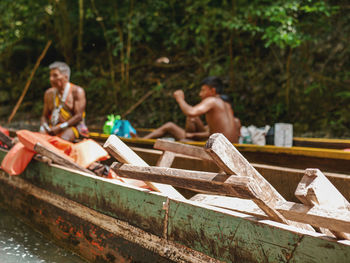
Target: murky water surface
<point>19,243</point>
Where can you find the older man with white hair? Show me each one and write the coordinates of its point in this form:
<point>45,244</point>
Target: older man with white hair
<point>64,106</point>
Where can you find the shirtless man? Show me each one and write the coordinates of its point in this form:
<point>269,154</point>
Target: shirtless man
<point>64,105</point>
<point>218,115</point>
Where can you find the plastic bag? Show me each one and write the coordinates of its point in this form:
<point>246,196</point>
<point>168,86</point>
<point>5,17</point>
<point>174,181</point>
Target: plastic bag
<point>109,124</point>
<point>87,152</point>
<point>245,137</point>
<point>258,134</point>
<point>123,128</point>
<point>253,135</point>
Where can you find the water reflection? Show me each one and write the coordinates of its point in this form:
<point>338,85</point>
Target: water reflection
<point>19,243</point>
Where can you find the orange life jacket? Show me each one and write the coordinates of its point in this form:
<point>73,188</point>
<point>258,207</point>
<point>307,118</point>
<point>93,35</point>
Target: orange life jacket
<point>17,159</point>
<point>29,139</point>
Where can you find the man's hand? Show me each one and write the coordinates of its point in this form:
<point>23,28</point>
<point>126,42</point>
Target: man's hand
<point>189,135</point>
<point>55,130</point>
<point>179,94</point>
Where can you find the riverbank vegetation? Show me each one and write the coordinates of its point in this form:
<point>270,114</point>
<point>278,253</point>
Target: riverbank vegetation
<point>282,61</point>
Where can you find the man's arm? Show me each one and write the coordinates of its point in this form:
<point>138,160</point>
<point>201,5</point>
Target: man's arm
<point>44,127</point>
<point>197,135</point>
<point>79,107</point>
<point>203,107</point>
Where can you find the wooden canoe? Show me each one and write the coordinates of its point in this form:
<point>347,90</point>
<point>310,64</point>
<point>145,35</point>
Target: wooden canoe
<point>327,160</point>
<point>104,220</point>
<point>328,143</point>
<point>321,143</point>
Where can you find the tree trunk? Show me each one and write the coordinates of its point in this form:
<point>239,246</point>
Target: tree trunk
<point>65,34</point>
<point>128,46</point>
<point>288,77</point>
<point>232,67</point>
<point>80,33</point>
<point>109,46</point>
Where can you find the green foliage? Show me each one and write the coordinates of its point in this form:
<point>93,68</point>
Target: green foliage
<point>280,60</point>
<point>19,20</point>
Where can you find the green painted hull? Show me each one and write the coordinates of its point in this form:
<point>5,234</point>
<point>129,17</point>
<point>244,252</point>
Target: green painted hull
<point>106,221</point>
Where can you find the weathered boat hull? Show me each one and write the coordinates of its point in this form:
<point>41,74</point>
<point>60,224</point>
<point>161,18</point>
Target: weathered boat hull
<point>107,221</point>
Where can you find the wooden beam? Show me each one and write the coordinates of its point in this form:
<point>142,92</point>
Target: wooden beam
<point>59,159</point>
<point>336,220</point>
<point>315,189</point>
<point>6,140</point>
<point>221,184</point>
<point>176,147</point>
<point>230,160</point>
<point>284,180</point>
<point>120,151</point>
<point>166,159</point>
<point>231,203</point>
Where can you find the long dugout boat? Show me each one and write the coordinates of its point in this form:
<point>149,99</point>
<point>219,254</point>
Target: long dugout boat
<point>327,160</point>
<point>104,220</point>
<point>327,143</point>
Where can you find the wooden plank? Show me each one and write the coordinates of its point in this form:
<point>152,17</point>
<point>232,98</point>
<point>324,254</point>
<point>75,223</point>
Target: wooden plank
<point>284,180</point>
<point>315,189</point>
<point>120,151</point>
<point>229,159</point>
<point>222,184</point>
<point>231,203</point>
<point>6,140</point>
<point>59,159</point>
<point>166,159</point>
<point>176,147</point>
<point>295,157</point>
<point>336,220</point>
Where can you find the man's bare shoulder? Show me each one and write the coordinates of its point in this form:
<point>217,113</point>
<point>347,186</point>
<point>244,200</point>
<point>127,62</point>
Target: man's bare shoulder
<point>78,93</point>
<point>77,89</point>
<point>50,91</point>
<point>209,99</point>
<point>214,101</point>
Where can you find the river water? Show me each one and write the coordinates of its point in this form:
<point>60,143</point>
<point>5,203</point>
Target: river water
<point>19,243</point>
